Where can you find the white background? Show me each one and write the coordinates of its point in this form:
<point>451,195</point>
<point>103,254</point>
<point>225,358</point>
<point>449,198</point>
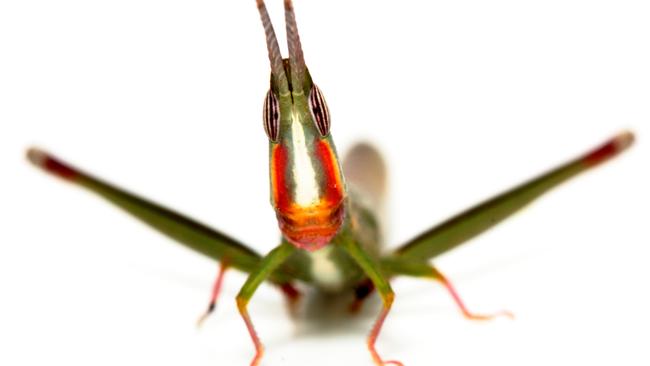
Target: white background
<point>466,98</point>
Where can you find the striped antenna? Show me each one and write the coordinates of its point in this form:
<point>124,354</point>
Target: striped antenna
<point>295,49</point>
<point>275,56</point>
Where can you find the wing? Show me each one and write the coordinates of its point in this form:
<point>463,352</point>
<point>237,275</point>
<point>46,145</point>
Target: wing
<point>184,230</point>
<point>484,216</point>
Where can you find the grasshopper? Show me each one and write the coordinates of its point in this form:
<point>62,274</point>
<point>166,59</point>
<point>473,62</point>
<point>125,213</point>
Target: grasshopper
<point>326,209</point>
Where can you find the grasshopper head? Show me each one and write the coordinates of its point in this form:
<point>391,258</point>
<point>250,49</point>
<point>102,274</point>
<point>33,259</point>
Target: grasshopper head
<point>307,187</point>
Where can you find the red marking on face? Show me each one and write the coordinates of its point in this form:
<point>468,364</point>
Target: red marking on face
<point>333,182</point>
<point>308,227</point>
<point>281,196</point>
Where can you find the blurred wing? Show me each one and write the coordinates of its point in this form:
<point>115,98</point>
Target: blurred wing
<point>364,169</point>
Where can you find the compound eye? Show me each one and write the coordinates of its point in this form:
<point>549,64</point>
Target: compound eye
<point>319,111</point>
<point>271,116</point>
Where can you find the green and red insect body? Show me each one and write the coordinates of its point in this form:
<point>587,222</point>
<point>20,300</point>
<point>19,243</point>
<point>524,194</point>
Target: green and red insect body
<point>330,232</point>
<point>307,189</point>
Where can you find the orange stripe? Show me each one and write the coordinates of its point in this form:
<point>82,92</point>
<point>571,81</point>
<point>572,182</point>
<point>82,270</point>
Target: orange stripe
<point>278,181</point>
<point>334,183</point>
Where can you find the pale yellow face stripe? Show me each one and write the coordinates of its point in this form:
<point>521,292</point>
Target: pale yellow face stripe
<point>306,185</point>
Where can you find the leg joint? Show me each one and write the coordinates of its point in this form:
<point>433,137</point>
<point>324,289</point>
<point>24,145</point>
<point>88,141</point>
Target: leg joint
<point>242,302</point>
<point>388,297</point>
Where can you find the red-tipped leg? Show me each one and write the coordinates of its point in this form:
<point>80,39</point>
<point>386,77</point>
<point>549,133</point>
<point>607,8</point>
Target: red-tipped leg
<point>376,329</point>
<point>216,289</point>
<point>242,305</point>
<point>468,314</point>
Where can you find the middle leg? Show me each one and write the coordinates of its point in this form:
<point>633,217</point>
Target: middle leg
<point>408,267</point>
<point>461,304</point>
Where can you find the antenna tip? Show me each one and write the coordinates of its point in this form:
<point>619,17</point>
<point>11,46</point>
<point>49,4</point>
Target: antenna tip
<point>288,4</point>
<point>37,157</point>
<point>260,3</point>
<point>624,140</point>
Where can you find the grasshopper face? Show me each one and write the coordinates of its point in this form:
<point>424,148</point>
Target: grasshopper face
<point>307,187</point>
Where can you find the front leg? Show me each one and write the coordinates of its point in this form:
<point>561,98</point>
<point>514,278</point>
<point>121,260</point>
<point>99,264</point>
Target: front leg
<point>372,270</point>
<point>269,263</point>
